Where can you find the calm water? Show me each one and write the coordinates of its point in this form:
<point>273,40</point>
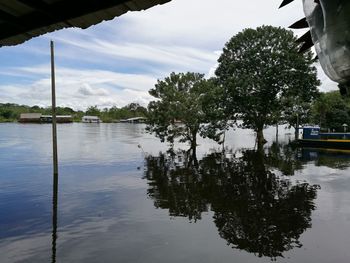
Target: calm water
<point>117,202</point>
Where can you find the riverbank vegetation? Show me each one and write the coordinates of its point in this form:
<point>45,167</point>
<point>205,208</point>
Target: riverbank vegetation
<point>10,112</point>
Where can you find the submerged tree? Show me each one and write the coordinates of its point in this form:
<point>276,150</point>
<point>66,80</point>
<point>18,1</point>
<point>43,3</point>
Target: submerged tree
<point>258,67</point>
<point>218,118</point>
<point>178,111</point>
<point>296,106</point>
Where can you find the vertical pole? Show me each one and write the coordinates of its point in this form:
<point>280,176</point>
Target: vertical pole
<point>54,126</point>
<point>54,217</point>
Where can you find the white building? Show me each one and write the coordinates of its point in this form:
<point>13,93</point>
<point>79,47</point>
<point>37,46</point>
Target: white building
<point>91,119</point>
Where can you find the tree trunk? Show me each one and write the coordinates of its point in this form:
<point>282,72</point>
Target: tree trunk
<point>297,129</point>
<point>223,142</point>
<point>260,138</point>
<point>296,133</point>
<point>193,159</point>
<point>194,141</point>
<point>277,132</point>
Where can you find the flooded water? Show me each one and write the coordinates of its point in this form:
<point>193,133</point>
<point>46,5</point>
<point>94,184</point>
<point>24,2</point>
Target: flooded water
<point>122,196</point>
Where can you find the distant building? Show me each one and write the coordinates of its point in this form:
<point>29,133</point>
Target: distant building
<point>91,119</point>
<point>30,117</point>
<point>59,118</point>
<point>39,118</point>
<point>135,120</point>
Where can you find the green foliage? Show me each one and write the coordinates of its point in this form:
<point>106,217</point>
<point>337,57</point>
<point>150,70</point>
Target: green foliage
<point>129,111</point>
<point>93,111</point>
<point>258,69</point>
<point>218,119</point>
<point>331,111</point>
<point>179,111</point>
<point>11,112</point>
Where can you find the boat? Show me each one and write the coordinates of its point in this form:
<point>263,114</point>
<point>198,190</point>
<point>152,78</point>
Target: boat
<point>313,137</point>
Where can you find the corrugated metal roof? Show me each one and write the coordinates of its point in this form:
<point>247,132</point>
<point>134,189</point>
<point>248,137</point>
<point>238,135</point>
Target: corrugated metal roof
<point>21,20</point>
<point>30,115</point>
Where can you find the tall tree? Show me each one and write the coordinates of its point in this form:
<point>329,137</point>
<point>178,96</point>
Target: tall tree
<point>257,68</point>
<point>331,111</point>
<point>93,110</point>
<point>297,104</point>
<point>218,119</point>
<point>178,111</point>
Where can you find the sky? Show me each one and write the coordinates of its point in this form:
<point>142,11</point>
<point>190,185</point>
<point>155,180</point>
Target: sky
<point>116,62</point>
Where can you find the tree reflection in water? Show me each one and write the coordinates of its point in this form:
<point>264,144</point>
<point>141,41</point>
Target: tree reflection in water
<point>254,209</point>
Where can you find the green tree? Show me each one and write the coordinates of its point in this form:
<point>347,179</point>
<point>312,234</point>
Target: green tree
<point>297,107</point>
<point>178,111</point>
<point>218,119</point>
<point>331,111</point>
<point>93,111</point>
<point>135,110</point>
<point>258,68</point>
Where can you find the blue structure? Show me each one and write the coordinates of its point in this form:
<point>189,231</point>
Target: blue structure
<point>312,137</point>
<point>311,133</point>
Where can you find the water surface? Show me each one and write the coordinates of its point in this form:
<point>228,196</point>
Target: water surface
<point>122,197</point>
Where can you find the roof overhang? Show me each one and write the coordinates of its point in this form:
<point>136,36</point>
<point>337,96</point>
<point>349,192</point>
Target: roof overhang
<point>21,20</point>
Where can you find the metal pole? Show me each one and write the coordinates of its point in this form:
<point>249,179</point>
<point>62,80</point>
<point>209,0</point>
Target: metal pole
<point>54,126</point>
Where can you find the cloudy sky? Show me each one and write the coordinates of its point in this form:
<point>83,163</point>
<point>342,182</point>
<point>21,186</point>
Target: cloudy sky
<point>118,61</point>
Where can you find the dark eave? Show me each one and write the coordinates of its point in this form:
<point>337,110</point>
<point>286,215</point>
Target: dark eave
<point>21,20</point>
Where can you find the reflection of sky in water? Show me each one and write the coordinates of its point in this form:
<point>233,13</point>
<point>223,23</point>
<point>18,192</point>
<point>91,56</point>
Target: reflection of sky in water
<point>104,214</point>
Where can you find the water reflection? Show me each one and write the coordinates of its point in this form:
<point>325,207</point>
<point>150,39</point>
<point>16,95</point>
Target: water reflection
<point>254,209</point>
<point>337,159</point>
<point>54,216</point>
<point>283,157</point>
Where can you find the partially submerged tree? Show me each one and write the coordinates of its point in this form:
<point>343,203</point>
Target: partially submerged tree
<point>258,67</point>
<point>218,119</point>
<point>178,112</point>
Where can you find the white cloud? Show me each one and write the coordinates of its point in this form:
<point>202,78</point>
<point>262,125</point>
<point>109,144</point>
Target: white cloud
<point>80,88</point>
<point>117,62</point>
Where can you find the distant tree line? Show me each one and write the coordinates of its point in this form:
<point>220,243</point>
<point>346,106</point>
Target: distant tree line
<point>10,112</point>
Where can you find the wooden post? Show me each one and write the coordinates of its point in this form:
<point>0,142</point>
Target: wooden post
<point>54,126</point>
<point>54,217</point>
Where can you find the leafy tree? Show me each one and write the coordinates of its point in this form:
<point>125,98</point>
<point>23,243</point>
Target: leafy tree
<point>258,68</point>
<point>136,110</point>
<point>331,111</point>
<point>178,111</point>
<point>218,119</point>
<point>93,110</point>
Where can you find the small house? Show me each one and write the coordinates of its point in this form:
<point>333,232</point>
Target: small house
<point>91,119</point>
<point>30,117</point>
